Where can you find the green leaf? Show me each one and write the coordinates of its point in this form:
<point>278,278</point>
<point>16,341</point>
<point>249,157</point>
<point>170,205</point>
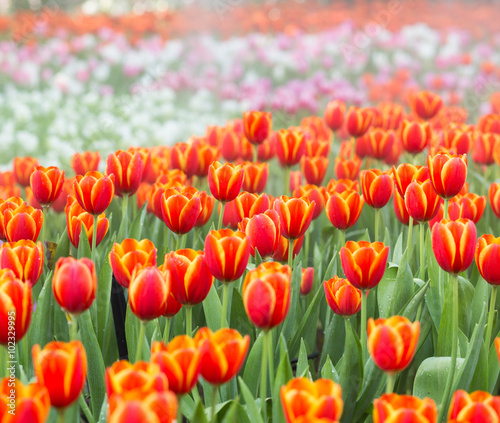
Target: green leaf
<point>283,375</point>
<point>135,230</point>
<point>199,413</point>
<point>351,375</point>
<point>62,249</point>
<point>433,297</point>
<point>250,375</point>
<point>235,413</point>
<point>188,407</point>
<point>213,309</point>
<point>42,322</point>
<point>373,384</point>
<point>481,297</point>
<point>411,308</point>
<point>239,318</point>
<point>103,297</point>
<point>403,287</point>
<point>331,270</point>
<point>398,250</point>
<point>334,340</point>
<point>251,406</point>
<point>302,363</point>
<point>385,291</point>
<point>289,324</point>
<point>84,245</point>
<point>95,362</point>
<point>104,410</point>
<point>328,371</point>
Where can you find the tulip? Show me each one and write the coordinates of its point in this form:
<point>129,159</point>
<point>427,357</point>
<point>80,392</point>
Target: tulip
<point>406,173</point>
<point>154,407</point>
<point>489,123</point>
<point>415,136</point>
<point>23,222</point>
<point>448,173</point>
<point>127,169</point>
<point>282,253</point>
<point>257,126</point>
<point>478,406</point>
<point>47,184</point>
<point>380,143</point>
<point>94,192</point>
<point>129,255</point>
<point>67,189</point>
<point>148,292</point>
<point>157,190</point>
<point>207,203</point>
<point>225,181</point>
<point>207,154</point>
<point>140,377</point>
<point>255,178</point>
<point>306,281</point>
<point>15,299</point>
<point>230,144</point>
<point>422,201</point>
<point>334,114</point>
<point>77,218</point>
<point>400,210</point>
<point>230,218</point>
<point>358,120</point>
<point>180,209</point>
<point>343,209</point>
<point>377,187</point>
<point>295,215</point>
<point>184,157</point>
<point>315,194</point>
<point>248,204</point>
<point>62,368</point>
<point>426,104</point>
<point>485,148</point>
<point>290,147</point>
<point>142,196</point>
<point>458,138</point>
<point>362,146</point>
<point>311,401</point>
<point>23,168</point>
<point>24,258</point>
<point>213,135</point>
<point>222,354</point>
<point>468,206</point>
<point>342,297</point>
<point>347,168</point>
<point>314,169</point>
<point>339,186</point>
<point>403,408</point>
<point>493,194</point>
<point>266,150</point>
<point>391,116</point>
<point>81,163</point>
<point>31,403</point>
<point>7,179</point>
<point>295,180</point>
<point>263,231</point>
<point>317,148</point>
<point>179,361</point>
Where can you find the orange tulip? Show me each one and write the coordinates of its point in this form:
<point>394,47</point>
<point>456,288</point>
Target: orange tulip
<point>67,189</point>
<point>207,203</point>
<point>303,399</point>
<point>295,215</point>
<point>15,300</point>
<point>485,148</point>
<point>184,157</point>
<point>394,408</point>
<point>314,169</point>
<point>267,149</point>
<point>497,347</point>
<point>230,218</point>
<point>153,407</point>
<point>380,143</point>
<point>257,126</point>
<point>315,128</point>
<point>347,168</point>
<point>140,377</point>
<point>392,342</point>
<point>248,204</point>
<point>23,168</point>
<point>453,243</point>
<point>343,209</point>
<point>317,148</point>
<point>255,178</point>
<point>207,154</point>
<point>340,185</point>
<point>129,255</point>
<point>225,181</point>
<point>421,201</point>
<point>469,206</point>
<point>266,294</point>
<point>7,179</point>
<point>400,210</point>
<point>23,222</point>
<point>377,187</point>
<point>406,173</point>
<point>180,361</point>
<point>315,194</point>
<point>364,263</point>
<point>295,180</point>
<point>74,284</point>
<point>426,104</point>
<point>263,231</point>
<point>157,190</point>
<point>11,203</point>
<point>306,281</point>
<point>127,169</point>
<point>493,195</point>
<point>24,258</point>
<point>23,403</point>
<point>290,146</point>
<point>487,258</point>
<point>191,278</point>
<point>62,368</point>
<point>342,297</point>
<point>281,253</point>
<point>230,144</point>
<point>47,184</point>
<point>489,123</point>
<point>391,116</point>
<point>334,114</point>
<point>85,162</point>
<point>226,254</point>
<point>358,120</point>
<point>477,407</point>
<point>181,209</point>
<point>448,173</point>
<point>415,136</point>
<point>77,218</point>
<point>458,138</point>
<point>148,292</point>
<point>94,191</point>
<point>222,354</point>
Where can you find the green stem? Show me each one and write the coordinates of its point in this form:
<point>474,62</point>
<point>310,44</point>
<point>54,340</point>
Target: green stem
<point>225,305</point>
<point>215,389</point>
<point>308,241</point>
<point>263,378</point>
<point>94,240</point>
<point>189,320</point>
<point>222,206</point>
<point>166,239</point>
<point>179,412</point>
<point>44,225</point>
<point>364,299</point>
<point>422,251</point>
<point>4,359</point>
<point>445,210</point>
<point>178,242</point>
<point>410,239</point>
<point>140,341</point>
<point>73,327</point>
<point>485,180</point>
<point>125,214</point>
<point>491,313</point>
<point>454,345</point>
<point>287,181</point>
<point>290,253</point>
<point>270,356</point>
<point>377,218</point>
<point>86,409</point>
<point>341,239</point>
<point>166,333</point>
<point>255,154</point>
<point>61,415</point>
<point>390,383</point>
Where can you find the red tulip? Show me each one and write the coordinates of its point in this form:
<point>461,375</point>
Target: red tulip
<point>448,173</point>
<point>487,258</point>
<point>426,104</point>
<point>478,407</point>
<point>394,408</point>
<point>47,184</point>
<point>81,163</point>
<point>334,114</point>
<point>127,169</point>
<point>184,157</point>
<point>295,215</point>
<point>347,168</point>
<point>314,169</point>
<point>257,126</point>
<point>225,181</point>
<point>94,191</point>
<point>358,120</point>
<point>24,258</point>
<point>290,146</point>
<point>344,209</point>
<point>255,178</point>
<point>263,231</point>
<point>315,194</point>
<point>23,168</point>
<point>421,200</point>
<point>181,209</point>
<point>307,280</point>
<point>377,187</point>
<point>415,136</point>
<point>342,297</point>
<point>23,222</point>
<point>148,292</point>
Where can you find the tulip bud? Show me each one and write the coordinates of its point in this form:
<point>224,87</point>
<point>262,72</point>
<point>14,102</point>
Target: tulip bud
<point>290,146</point>
<point>207,203</point>
<point>415,136</point>
<point>225,181</point>
<point>342,297</point>
<point>343,209</point>
<point>248,204</point>
<point>422,201</point>
<point>485,148</point>
<point>341,185</point>
<point>23,222</point>
<point>206,156</point>
<point>334,114</point>
<point>489,123</point>
<point>487,258</point>
<point>295,215</point>
<point>314,169</point>
<point>148,292</point>
<point>127,169</point>
<point>400,210</point>
<point>405,173</point>
<point>315,194</point>
<point>377,187</point>
<point>152,407</point>
<point>47,184</point>
<point>263,231</point>
<point>493,195</point>
<point>347,168</point>
<point>358,120</point>
<point>94,191</point>
<point>255,178</point>
<point>426,104</point>
<point>306,281</point>
<point>257,126</point>
<point>184,157</point>
<point>479,406</point>
<point>180,209</point>
<point>380,143</point>
<point>448,173</point>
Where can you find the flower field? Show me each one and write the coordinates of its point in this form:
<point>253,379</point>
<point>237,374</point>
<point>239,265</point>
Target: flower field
<point>259,213</point>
